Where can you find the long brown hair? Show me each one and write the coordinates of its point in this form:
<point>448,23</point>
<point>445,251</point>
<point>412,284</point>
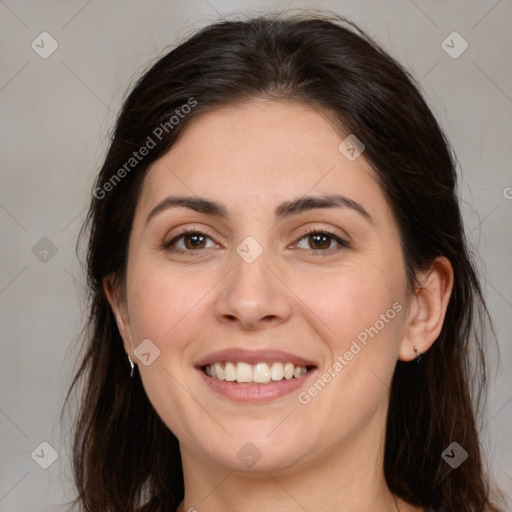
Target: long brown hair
<point>124,456</point>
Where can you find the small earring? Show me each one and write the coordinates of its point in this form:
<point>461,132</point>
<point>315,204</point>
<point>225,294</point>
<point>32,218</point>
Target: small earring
<point>131,364</point>
<point>418,359</point>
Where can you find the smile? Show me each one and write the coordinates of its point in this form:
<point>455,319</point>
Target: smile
<point>254,376</point>
<point>260,373</point>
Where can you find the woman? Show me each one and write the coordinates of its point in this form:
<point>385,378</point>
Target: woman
<point>277,251</point>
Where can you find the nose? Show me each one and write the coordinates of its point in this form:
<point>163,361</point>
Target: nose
<point>253,295</point>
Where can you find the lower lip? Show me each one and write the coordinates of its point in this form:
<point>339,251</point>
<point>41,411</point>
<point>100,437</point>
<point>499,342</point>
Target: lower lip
<point>255,392</point>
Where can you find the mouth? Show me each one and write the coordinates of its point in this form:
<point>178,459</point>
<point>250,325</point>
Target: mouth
<point>249,376</point>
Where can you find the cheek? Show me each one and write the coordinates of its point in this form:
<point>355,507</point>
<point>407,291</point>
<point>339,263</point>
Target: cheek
<point>349,301</point>
<point>364,318</point>
<point>161,298</point>
<point>360,318</point>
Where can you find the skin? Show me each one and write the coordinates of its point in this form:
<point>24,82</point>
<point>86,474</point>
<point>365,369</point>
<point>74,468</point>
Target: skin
<point>328,453</point>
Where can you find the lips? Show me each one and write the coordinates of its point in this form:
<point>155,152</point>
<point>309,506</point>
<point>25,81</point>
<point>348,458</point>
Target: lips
<point>242,375</point>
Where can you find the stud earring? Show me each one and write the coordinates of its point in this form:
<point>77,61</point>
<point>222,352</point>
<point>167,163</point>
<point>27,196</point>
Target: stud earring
<point>418,359</point>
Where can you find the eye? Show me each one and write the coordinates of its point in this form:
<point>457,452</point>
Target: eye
<point>195,241</point>
<point>192,241</point>
<point>322,240</point>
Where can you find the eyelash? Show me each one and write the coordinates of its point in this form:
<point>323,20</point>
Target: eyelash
<point>343,244</point>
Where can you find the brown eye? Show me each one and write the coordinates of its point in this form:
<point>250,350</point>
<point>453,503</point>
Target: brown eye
<point>192,241</point>
<point>320,241</point>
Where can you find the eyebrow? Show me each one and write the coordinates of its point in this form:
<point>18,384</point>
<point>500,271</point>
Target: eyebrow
<point>286,209</point>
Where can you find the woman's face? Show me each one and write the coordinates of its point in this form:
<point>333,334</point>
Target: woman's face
<point>251,286</point>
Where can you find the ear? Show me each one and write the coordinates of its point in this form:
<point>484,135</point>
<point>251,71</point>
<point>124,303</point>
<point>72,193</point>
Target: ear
<point>117,302</point>
<point>427,309</point>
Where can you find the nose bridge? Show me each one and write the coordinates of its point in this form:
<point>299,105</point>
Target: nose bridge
<point>252,294</point>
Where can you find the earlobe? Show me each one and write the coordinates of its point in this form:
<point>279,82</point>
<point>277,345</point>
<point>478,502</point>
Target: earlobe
<point>428,309</point>
<point>117,303</point>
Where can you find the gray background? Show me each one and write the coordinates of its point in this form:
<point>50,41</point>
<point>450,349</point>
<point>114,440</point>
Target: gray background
<point>56,116</point>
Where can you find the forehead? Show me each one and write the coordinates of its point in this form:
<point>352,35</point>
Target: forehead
<point>262,152</point>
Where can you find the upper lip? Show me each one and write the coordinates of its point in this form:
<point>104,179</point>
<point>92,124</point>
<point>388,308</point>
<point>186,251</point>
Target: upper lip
<point>253,357</point>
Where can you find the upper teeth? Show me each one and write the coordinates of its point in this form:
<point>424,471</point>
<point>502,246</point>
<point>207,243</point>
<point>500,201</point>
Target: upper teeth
<point>261,372</point>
